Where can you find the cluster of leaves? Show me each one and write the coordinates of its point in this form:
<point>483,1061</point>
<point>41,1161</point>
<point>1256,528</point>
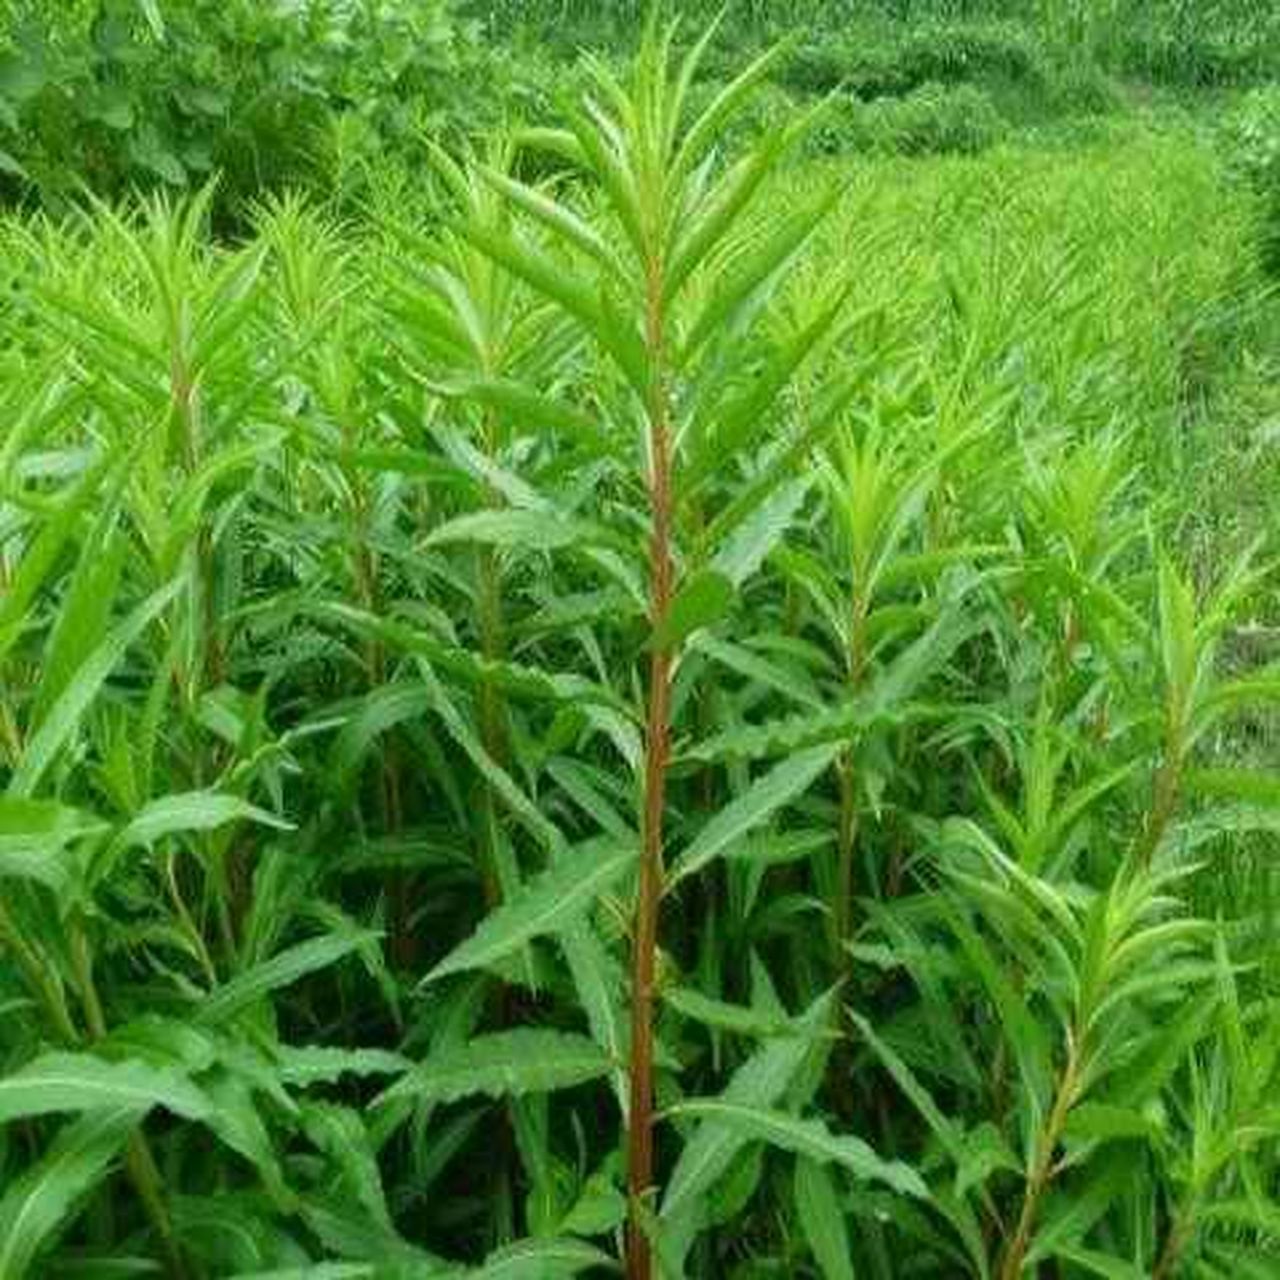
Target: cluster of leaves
<point>1252,146</point>
<point>401,638</point>
<point>126,94</point>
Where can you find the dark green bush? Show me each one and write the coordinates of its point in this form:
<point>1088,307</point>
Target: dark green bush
<point>935,119</point>
<point>118,95</point>
<point>895,61</point>
<point>1253,157</point>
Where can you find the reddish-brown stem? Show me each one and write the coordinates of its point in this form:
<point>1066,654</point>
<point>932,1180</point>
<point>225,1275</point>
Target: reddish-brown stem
<point>644,940</point>
<point>1174,1243</point>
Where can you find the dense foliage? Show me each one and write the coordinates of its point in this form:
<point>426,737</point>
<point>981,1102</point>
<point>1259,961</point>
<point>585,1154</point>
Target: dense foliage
<point>644,707</point>
<point>340,97</point>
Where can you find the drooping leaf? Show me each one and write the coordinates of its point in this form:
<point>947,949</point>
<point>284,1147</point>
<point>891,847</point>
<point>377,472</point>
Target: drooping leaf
<point>84,1082</point>
<point>808,1138</point>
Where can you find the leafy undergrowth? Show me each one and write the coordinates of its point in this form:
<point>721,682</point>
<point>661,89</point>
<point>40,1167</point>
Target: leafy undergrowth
<point>693,717</point>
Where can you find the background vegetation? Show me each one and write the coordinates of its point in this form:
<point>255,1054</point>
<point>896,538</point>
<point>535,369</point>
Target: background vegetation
<point>660,662</point>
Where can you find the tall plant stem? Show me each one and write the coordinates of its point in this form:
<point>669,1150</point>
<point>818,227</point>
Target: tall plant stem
<point>1180,1231</point>
<point>644,941</point>
<point>1042,1170</point>
<point>846,771</point>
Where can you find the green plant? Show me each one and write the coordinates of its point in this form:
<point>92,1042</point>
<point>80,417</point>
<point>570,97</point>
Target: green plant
<point>639,708</point>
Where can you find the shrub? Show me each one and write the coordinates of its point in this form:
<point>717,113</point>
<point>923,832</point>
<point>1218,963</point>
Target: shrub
<point>891,61</point>
<point>1252,143</point>
<point>120,95</point>
<point>935,119</point>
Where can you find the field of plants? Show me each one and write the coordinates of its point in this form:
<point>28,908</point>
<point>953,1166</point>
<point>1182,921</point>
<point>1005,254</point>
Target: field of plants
<point>639,648</point>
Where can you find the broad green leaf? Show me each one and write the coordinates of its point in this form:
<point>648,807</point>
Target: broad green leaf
<point>547,904</point>
<point>503,1063</point>
<point>808,1138</point>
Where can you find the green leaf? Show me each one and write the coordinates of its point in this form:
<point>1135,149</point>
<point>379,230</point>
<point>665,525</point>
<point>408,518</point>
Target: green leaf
<point>736,1018</point>
<point>37,1203</point>
<point>756,805</point>
<point>65,714</point>
<point>760,1082</point>
<point>189,811</point>
<point>503,1064</point>
<point>83,1082</point>
<point>282,970</point>
<point>155,19</point>
<point>547,904</point>
<point>547,1259</point>
<point>34,835</point>
<point>43,552</point>
<point>703,600</point>
<point>519,528</point>
<point>598,981</point>
<point>822,1220</point>
<point>463,731</point>
<point>1254,786</point>
<point>601,1207</point>
<point>83,614</point>
<point>1103,1122</point>
<point>809,1138</point>
<point>745,549</point>
<point>943,1128</point>
<point>306,1065</point>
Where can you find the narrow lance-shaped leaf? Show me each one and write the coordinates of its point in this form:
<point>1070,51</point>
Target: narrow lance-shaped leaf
<point>809,1138</point>
<point>64,716</point>
<point>36,1205</point>
<point>760,1082</point>
<point>822,1219</point>
<point>280,970</point>
<point>545,905</point>
<point>756,805</point>
<point>503,1063</point>
<point>84,1082</point>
